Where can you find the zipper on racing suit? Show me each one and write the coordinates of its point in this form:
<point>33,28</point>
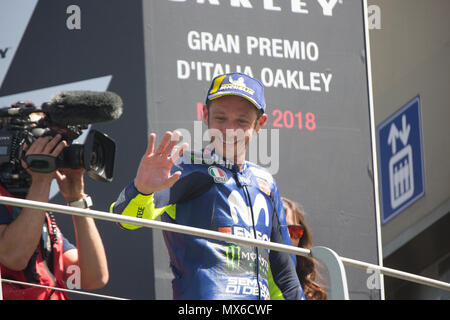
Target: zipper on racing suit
<point>247,195</point>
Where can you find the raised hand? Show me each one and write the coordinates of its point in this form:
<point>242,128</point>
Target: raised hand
<point>154,169</point>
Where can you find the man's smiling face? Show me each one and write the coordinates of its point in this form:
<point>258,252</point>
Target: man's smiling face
<point>232,121</point>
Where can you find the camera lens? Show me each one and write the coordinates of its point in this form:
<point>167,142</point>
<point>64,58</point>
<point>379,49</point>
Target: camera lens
<point>99,156</point>
<point>97,159</point>
<point>71,157</point>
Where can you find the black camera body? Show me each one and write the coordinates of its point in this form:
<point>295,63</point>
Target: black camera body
<point>18,129</point>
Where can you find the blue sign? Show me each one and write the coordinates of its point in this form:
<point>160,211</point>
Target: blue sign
<point>400,160</point>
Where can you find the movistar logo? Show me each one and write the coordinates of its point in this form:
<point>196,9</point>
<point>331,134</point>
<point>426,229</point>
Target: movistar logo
<point>238,207</point>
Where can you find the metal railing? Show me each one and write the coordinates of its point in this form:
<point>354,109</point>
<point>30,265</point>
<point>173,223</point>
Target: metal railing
<point>331,260</point>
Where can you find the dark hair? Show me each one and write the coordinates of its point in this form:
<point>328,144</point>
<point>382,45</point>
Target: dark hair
<point>306,266</point>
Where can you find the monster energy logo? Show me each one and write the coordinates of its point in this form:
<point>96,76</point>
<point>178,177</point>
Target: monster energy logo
<point>233,252</point>
<point>240,260</point>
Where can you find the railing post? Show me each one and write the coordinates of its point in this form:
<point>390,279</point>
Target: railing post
<point>338,278</point>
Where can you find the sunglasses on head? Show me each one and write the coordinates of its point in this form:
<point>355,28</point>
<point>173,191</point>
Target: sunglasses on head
<point>296,231</point>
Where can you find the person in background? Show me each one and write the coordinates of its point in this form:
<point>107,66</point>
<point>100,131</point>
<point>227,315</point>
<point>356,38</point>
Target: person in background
<point>33,249</point>
<point>301,237</point>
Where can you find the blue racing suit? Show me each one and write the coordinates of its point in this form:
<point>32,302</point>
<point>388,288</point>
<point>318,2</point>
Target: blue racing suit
<point>215,195</point>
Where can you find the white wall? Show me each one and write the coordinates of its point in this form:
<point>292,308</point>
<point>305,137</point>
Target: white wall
<point>411,55</point>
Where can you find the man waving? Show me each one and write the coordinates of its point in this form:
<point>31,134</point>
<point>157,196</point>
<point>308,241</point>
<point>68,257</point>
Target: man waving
<point>217,189</point>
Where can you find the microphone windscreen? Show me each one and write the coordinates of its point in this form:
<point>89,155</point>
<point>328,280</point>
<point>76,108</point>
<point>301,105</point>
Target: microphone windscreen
<point>83,107</point>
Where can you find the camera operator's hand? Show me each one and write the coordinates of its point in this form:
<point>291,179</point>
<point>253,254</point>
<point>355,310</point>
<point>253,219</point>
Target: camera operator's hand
<point>71,183</point>
<point>48,145</point>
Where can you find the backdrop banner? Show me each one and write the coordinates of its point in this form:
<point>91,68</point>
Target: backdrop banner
<point>160,57</point>
<point>311,57</point>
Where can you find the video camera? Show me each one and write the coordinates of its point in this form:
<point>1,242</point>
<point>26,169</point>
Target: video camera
<point>67,113</point>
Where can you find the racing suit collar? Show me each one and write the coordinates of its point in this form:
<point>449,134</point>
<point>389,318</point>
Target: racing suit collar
<point>224,162</point>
